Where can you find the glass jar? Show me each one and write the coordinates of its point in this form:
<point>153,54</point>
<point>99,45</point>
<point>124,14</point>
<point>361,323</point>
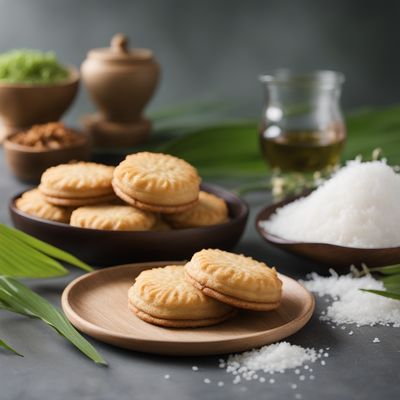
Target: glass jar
<point>302,126</point>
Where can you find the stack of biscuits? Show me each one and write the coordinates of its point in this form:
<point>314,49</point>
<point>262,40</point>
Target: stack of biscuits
<point>146,191</point>
<point>209,289</point>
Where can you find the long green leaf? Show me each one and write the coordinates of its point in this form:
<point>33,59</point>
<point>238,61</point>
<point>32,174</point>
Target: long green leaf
<point>24,301</point>
<point>370,128</point>
<point>43,247</point>
<point>388,270</point>
<point>197,109</point>
<point>232,149</point>
<point>385,293</point>
<point>222,150</point>
<point>19,260</point>
<point>6,346</point>
<point>392,282</point>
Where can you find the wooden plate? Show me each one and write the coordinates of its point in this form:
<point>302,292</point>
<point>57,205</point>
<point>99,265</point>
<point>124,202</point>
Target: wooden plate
<point>102,248</point>
<point>97,304</point>
<point>333,256</point>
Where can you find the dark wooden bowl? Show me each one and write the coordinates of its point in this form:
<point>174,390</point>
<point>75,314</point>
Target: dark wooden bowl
<point>24,104</point>
<point>104,248</point>
<point>331,255</point>
<point>28,164</point>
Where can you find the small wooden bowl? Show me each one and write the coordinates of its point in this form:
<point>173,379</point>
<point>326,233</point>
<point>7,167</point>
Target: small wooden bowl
<point>102,248</point>
<point>23,104</point>
<point>28,164</point>
<point>331,255</point>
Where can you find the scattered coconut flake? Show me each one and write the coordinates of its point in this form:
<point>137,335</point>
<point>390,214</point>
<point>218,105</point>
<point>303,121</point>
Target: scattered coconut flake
<point>220,383</point>
<point>195,368</point>
<point>376,340</point>
<point>272,380</point>
<point>351,333</point>
<point>272,358</point>
<point>236,380</point>
<point>167,376</point>
<point>261,379</point>
<point>353,306</point>
<point>207,381</point>
<point>358,207</point>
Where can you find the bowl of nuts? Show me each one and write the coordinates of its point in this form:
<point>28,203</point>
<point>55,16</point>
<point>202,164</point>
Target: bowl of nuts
<point>29,153</point>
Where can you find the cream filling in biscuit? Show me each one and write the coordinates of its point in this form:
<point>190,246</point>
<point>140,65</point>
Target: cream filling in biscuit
<point>179,323</point>
<point>159,196</point>
<point>75,193</point>
<point>181,311</point>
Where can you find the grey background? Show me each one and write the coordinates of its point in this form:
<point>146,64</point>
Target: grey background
<point>217,48</point>
<point>209,49</point>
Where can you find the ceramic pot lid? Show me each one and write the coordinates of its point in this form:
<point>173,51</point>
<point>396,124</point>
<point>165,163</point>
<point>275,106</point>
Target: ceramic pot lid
<point>119,51</point>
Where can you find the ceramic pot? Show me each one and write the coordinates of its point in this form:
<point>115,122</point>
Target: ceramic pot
<point>120,80</point>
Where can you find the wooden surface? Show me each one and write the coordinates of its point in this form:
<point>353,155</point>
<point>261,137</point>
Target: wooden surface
<point>97,304</point>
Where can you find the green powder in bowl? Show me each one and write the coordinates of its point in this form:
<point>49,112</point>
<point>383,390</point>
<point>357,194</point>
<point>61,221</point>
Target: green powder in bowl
<point>31,67</point>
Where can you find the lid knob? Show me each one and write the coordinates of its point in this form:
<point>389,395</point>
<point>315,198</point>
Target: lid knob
<point>119,43</point>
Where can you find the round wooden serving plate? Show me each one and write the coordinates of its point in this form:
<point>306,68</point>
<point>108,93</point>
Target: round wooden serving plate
<point>332,256</point>
<point>97,304</point>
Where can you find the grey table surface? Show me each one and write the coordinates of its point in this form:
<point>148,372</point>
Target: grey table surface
<point>52,369</point>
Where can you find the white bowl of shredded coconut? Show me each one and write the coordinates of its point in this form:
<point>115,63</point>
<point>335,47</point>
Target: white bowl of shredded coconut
<point>352,218</point>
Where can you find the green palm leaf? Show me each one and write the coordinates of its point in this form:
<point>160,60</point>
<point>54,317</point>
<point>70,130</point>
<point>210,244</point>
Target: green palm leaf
<point>389,270</point>
<point>384,293</point>
<point>6,346</point>
<point>19,260</point>
<point>22,300</point>
<point>232,150</point>
<point>36,246</point>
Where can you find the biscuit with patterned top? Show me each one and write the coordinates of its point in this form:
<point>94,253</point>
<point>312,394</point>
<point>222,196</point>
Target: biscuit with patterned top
<point>77,184</point>
<point>157,182</point>
<point>33,203</point>
<point>235,279</point>
<point>209,210</point>
<point>162,296</point>
<point>113,217</point>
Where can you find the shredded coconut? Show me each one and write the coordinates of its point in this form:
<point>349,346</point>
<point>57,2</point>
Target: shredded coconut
<point>351,305</point>
<point>358,207</point>
<point>272,358</point>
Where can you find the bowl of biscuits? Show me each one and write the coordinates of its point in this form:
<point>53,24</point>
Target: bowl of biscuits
<point>152,206</point>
